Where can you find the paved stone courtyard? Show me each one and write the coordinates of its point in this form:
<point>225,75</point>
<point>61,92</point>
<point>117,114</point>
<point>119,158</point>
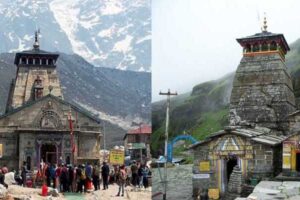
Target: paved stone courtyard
<point>179,183</point>
<point>18,192</point>
<point>269,190</point>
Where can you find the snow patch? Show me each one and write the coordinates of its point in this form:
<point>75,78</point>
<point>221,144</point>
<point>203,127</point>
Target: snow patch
<point>121,67</point>
<point>103,56</point>
<point>123,45</point>
<point>131,58</point>
<point>124,29</point>
<point>148,37</point>
<point>112,7</point>
<point>68,20</point>
<point>21,47</point>
<point>91,21</point>
<point>25,14</point>
<point>28,37</point>
<point>117,120</point>
<point>142,69</point>
<point>108,32</point>
<point>11,38</point>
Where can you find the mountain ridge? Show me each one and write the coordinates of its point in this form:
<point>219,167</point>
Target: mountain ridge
<point>109,33</point>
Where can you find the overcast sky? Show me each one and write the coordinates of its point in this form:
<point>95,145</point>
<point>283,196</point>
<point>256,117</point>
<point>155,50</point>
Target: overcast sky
<point>193,41</point>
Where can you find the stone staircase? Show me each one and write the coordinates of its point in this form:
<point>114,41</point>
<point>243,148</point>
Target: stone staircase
<point>235,183</point>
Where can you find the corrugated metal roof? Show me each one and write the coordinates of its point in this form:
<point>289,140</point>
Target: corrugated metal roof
<point>257,134</point>
<point>143,129</point>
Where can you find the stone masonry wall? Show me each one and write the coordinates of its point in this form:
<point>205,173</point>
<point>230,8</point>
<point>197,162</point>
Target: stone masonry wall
<point>25,80</point>
<point>9,141</point>
<point>262,92</point>
<point>202,154</point>
<point>262,164</point>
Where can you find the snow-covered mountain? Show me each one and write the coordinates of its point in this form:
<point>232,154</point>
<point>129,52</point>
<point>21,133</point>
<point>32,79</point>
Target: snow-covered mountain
<point>107,33</point>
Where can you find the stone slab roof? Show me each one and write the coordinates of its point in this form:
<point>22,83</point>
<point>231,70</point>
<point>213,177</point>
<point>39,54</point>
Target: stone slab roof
<point>35,52</point>
<point>75,107</point>
<point>265,35</point>
<point>257,134</point>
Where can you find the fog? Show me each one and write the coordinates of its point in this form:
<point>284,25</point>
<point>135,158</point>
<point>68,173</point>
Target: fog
<point>194,41</point>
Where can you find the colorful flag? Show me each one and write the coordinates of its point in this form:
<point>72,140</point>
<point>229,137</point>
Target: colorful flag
<point>71,132</point>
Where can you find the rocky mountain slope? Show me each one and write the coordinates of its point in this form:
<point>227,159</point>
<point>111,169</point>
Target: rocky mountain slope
<point>116,96</point>
<point>205,109</point>
<point>107,33</point>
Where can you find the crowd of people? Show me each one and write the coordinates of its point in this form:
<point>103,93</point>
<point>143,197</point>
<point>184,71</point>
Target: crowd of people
<point>136,175</point>
<point>140,173</point>
<point>80,178</point>
<point>68,178</point>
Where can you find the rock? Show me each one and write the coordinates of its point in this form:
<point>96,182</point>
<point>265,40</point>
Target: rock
<point>54,193</point>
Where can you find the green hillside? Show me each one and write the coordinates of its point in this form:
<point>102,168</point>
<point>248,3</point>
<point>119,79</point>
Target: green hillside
<point>205,109</point>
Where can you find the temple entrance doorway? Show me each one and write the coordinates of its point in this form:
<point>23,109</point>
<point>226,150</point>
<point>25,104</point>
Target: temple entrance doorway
<point>231,163</point>
<point>48,153</point>
<point>298,161</point>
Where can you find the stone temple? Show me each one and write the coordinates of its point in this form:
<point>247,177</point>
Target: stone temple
<point>262,139</point>
<point>38,122</point>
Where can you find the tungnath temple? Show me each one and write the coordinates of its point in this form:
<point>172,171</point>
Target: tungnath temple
<point>262,139</point>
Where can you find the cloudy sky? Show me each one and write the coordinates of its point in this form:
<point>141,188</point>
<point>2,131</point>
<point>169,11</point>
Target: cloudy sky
<point>193,41</point>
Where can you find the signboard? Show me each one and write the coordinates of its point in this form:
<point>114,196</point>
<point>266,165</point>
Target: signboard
<point>213,193</point>
<point>116,157</point>
<point>204,166</point>
<point>136,146</point>
<point>200,176</point>
<point>226,152</point>
<point>286,161</point>
<point>1,151</point>
<point>286,147</point>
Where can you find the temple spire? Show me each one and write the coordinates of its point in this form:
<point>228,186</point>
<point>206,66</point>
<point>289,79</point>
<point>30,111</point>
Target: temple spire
<point>265,26</point>
<point>36,44</point>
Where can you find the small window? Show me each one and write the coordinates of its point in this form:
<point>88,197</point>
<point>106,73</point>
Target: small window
<point>28,162</point>
<point>273,46</point>
<point>23,61</point>
<point>44,61</point>
<point>68,160</point>
<point>37,61</point>
<point>264,47</point>
<point>248,48</point>
<point>255,47</point>
<point>50,62</point>
<point>30,61</point>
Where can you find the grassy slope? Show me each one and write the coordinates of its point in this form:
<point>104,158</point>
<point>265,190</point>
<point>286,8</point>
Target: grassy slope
<point>210,122</point>
<point>205,110</point>
<point>293,57</point>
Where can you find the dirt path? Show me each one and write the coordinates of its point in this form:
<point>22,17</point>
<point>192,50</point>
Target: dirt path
<point>112,191</point>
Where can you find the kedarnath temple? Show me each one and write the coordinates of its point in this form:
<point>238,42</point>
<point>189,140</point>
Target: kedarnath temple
<point>262,139</point>
<point>38,124</point>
